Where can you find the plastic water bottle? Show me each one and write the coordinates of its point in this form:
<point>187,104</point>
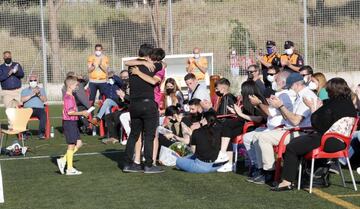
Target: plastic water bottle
<point>52,133</point>
<point>94,131</point>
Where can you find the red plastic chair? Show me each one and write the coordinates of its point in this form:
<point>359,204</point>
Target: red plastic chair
<point>319,153</point>
<point>281,147</point>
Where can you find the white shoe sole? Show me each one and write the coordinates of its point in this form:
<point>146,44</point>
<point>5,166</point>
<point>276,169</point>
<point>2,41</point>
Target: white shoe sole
<point>74,174</point>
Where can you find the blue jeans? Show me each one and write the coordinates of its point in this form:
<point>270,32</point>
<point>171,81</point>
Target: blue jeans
<point>193,165</point>
<point>106,108</point>
<point>93,90</point>
<point>356,135</point>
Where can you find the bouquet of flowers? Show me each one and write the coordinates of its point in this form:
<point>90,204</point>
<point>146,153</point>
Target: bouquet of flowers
<point>181,149</point>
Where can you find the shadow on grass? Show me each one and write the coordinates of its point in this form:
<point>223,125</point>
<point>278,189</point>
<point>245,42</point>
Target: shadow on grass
<point>116,156</point>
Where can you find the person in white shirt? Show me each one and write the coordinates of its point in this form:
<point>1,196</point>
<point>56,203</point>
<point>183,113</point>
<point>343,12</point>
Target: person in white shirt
<point>197,90</point>
<point>299,116</point>
<point>274,118</point>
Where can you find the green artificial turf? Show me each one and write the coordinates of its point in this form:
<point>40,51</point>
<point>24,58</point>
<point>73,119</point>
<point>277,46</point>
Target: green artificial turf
<point>37,184</point>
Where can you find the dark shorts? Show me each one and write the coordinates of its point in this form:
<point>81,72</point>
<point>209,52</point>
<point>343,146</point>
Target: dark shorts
<point>71,131</point>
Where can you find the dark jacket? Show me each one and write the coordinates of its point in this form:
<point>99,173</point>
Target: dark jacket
<point>14,80</point>
<point>226,100</point>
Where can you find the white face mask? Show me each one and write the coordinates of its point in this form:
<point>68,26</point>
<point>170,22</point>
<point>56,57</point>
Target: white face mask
<point>196,56</point>
<point>274,86</point>
<point>270,78</point>
<point>289,51</point>
<point>292,93</point>
<point>312,86</point>
<point>306,79</point>
<point>111,81</point>
<point>98,53</point>
<point>33,84</point>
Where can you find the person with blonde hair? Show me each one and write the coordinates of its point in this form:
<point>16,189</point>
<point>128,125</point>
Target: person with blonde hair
<point>318,84</point>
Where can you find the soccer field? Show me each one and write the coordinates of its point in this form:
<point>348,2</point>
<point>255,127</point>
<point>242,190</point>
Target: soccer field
<point>35,183</point>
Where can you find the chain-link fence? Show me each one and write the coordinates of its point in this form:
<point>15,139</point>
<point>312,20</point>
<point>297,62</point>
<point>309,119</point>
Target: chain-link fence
<point>71,28</point>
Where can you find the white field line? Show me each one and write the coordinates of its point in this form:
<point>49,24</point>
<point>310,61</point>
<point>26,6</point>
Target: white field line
<point>48,156</point>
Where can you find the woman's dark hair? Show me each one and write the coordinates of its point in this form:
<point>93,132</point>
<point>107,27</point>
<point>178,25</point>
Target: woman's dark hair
<point>248,88</point>
<point>172,110</point>
<point>210,117</point>
<point>157,54</point>
<point>145,50</point>
<point>337,88</point>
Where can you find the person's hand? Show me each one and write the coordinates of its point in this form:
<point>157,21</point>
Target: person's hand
<point>120,93</point>
<point>309,102</point>
<point>235,109</point>
<point>169,135</point>
<point>85,113</point>
<point>254,100</point>
<point>231,110</point>
<point>36,91</point>
<point>135,71</point>
<point>275,101</point>
<point>149,65</point>
<point>205,104</point>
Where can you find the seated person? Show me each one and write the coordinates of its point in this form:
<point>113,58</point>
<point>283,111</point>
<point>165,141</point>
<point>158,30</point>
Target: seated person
<point>205,143</point>
<point>34,97</point>
<point>112,94</point>
<point>335,115</point>
<point>274,119</point>
<point>222,88</point>
<point>173,94</point>
<point>271,73</point>
<point>82,100</point>
<point>247,113</point>
<point>180,130</point>
<point>298,117</point>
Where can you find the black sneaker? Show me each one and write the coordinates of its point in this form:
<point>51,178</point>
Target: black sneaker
<point>334,168</point>
<point>133,168</point>
<point>153,169</point>
<point>42,136</point>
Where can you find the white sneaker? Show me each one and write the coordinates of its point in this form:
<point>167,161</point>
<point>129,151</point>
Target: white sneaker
<point>73,172</point>
<point>124,142</point>
<point>61,165</point>
<point>222,157</point>
<point>227,167</point>
<point>358,170</point>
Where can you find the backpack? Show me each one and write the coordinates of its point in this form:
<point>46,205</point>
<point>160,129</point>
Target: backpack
<point>321,176</point>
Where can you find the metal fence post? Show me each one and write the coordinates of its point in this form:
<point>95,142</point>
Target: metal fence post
<point>43,40</point>
<point>305,34</point>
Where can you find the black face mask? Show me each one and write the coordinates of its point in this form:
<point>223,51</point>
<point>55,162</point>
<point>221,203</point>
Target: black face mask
<point>250,76</point>
<point>219,94</point>
<point>7,60</point>
<point>126,81</point>
<point>169,91</point>
<point>173,121</point>
<point>196,117</point>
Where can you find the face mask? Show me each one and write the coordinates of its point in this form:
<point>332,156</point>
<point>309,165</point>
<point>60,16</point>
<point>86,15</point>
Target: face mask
<point>169,91</point>
<point>269,50</point>
<point>33,84</point>
<point>98,53</point>
<point>173,121</point>
<point>196,117</point>
<point>250,76</point>
<point>111,81</point>
<point>312,85</point>
<point>270,78</point>
<point>125,80</point>
<point>274,86</point>
<point>289,51</point>
<point>306,79</point>
<point>219,94</point>
<point>196,56</point>
<point>7,61</point>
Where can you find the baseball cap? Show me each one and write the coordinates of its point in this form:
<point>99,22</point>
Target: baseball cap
<point>270,43</point>
<point>293,78</point>
<point>288,44</point>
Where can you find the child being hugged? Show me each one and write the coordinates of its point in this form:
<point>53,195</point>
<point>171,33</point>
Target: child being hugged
<point>70,118</point>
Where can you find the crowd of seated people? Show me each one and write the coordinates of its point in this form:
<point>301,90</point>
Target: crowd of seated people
<point>281,95</point>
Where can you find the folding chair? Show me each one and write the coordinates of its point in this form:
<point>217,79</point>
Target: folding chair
<point>47,127</point>
<point>319,153</point>
<point>18,119</point>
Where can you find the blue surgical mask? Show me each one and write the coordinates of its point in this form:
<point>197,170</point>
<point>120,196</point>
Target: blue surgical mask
<point>269,50</point>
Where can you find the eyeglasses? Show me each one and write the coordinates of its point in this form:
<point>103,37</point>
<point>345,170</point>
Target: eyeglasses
<point>304,75</point>
<point>272,74</point>
<point>111,78</point>
<point>32,80</point>
<point>252,71</point>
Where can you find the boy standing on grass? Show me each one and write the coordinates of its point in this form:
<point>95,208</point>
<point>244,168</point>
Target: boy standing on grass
<point>71,130</point>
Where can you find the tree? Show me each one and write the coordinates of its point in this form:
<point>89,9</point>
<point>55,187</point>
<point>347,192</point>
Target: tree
<point>54,6</point>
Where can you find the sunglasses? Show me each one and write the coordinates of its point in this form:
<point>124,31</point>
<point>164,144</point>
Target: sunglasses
<point>304,75</point>
<point>32,80</point>
<point>272,74</point>
<point>252,71</point>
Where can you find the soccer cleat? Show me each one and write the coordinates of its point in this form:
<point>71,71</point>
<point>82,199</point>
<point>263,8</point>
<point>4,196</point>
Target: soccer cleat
<point>222,157</point>
<point>227,167</point>
<point>61,165</point>
<point>73,172</point>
